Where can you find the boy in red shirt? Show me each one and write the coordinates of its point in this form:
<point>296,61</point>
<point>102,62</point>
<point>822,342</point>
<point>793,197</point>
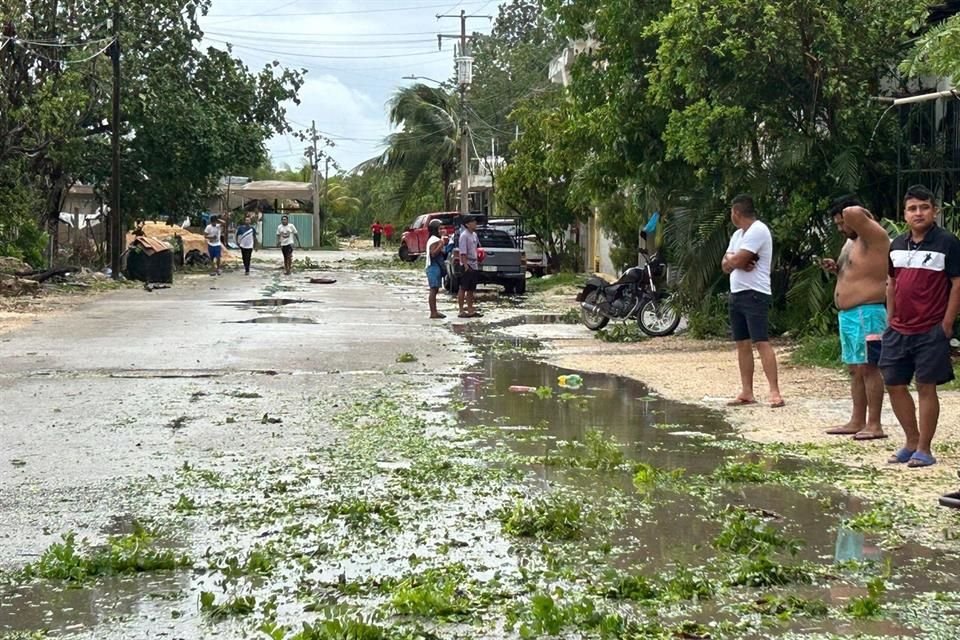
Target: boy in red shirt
<point>923,298</point>
<point>377,229</point>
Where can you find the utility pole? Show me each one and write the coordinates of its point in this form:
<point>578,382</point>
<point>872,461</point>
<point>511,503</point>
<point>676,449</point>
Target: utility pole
<point>315,180</point>
<point>326,191</point>
<point>464,79</point>
<point>117,234</point>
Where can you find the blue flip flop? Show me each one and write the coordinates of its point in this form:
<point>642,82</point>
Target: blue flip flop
<point>902,456</point>
<point>920,459</point>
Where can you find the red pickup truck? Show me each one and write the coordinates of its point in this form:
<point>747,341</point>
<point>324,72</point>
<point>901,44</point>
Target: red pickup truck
<point>413,242</point>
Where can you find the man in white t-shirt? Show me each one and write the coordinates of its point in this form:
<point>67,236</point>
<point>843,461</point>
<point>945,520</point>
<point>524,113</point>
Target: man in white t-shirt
<point>214,248</point>
<point>747,260</point>
<point>286,235</point>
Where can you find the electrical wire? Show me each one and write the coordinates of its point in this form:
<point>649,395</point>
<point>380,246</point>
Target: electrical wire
<point>419,43</point>
<point>73,62</point>
<point>273,14</point>
<point>327,57</point>
<point>54,45</point>
<point>339,34</point>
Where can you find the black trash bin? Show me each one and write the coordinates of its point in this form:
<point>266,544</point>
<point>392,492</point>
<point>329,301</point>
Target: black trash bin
<point>149,260</point>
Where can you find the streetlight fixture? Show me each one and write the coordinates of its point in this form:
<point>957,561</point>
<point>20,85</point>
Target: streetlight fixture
<point>442,83</point>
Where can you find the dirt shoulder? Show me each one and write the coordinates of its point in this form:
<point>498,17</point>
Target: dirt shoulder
<point>21,311</point>
<point>705,373</point>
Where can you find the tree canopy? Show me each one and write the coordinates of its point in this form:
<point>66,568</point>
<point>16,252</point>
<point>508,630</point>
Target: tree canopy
<point>189,115</point>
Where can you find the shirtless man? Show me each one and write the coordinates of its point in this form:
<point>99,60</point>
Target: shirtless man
<point>860,296</point>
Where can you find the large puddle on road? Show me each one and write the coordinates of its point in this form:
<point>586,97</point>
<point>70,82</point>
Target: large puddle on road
<point>536,416</point>
<point>269,302</point>
<point>274,320</point>
<point>671,526</point>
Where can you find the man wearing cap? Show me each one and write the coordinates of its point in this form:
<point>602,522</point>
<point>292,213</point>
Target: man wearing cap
<point>468,245</point>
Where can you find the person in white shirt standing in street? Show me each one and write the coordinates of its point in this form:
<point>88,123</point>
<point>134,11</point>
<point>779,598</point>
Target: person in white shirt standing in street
<point>747,260</point>
<point>286,235</point>
<point>212,233</point>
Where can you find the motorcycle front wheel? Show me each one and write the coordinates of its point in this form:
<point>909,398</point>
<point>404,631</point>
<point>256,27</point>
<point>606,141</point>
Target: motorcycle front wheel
<point>658,318</point>
<point>591,320</point>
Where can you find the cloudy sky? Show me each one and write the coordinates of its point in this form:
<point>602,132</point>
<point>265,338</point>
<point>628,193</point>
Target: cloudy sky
<point>356,53</point>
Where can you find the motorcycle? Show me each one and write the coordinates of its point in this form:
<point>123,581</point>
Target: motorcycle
<point>633,295</point>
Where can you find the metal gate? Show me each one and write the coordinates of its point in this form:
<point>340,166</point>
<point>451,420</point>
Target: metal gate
<point>302,221</point>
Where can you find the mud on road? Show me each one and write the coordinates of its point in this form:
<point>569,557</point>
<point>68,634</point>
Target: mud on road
<point>368,474</point>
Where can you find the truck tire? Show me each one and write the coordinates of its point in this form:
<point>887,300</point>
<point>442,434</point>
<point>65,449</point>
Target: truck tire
<point>404,253</point>
<point>521,287</point>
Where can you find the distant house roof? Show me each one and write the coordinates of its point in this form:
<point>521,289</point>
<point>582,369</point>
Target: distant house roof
<point>234,181</point>
<point>276,189</point>
<point>81,190</point>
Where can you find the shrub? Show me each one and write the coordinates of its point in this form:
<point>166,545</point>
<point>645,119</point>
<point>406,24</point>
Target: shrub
<point>709,318</point>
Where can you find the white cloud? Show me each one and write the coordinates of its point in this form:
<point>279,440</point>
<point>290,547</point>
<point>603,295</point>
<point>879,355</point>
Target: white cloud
<point>346,87</point>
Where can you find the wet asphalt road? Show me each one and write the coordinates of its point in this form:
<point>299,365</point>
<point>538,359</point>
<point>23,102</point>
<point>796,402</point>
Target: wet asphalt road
<point>132,384</point>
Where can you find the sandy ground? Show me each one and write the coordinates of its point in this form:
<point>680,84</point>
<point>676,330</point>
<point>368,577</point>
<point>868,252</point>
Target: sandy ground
<point>705,373</point>
<point>22,311</point>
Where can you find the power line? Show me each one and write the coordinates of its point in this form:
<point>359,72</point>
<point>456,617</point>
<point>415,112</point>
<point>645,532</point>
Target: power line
<point>50,44</point>
<point>328,57</point>
<point>343,34</point>
<point>321,43</point>
<point>274,14</point>
<point>72,62</point>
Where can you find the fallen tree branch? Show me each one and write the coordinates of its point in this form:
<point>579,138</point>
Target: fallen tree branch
<point>43,276</point>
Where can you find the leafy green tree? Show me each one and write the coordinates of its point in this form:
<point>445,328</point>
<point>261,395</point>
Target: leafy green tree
<point>510,65</point>
<point>776,100</point>
<point>613,135</point>
<point>189,115</point>
<point>682,104</point>
<point>534,182</point>
<point>937,50</point>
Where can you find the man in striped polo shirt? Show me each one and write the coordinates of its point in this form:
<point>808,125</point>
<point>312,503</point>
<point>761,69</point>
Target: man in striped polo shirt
<point>923,298</point>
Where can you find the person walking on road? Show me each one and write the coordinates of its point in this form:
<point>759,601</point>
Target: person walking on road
<point>212,233</point>
<point>923,298</point>
<point>860,296</point>
<point>747,260</point>
<point>388,233</point>
<point>435,260</point>
<point>246,239</point>
<point>377,230</point>
<point>286,236</point>
<point>468,245</point>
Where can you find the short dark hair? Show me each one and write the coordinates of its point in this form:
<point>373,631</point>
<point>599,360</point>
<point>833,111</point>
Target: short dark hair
<point>919,192</point>
<point>743,204</point>
<point>839,204</point>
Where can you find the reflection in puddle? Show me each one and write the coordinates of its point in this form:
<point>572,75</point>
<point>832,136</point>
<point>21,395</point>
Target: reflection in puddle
<point>271,302</point>
<point>674,527</point>
<point>274,320</point>
<point>42,606</point>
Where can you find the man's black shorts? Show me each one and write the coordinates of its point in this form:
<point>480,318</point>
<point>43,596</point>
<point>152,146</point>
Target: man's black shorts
<point>287,250</point>
<point>748,316</point>
<point>468,281</point>
<point>924,355</point>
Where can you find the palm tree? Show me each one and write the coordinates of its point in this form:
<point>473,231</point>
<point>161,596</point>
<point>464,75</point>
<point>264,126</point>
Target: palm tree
<point>428,139</point>
<point>343,208</point>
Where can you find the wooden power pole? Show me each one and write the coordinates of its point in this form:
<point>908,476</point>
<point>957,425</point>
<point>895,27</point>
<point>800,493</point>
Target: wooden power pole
<point>464,79</point>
